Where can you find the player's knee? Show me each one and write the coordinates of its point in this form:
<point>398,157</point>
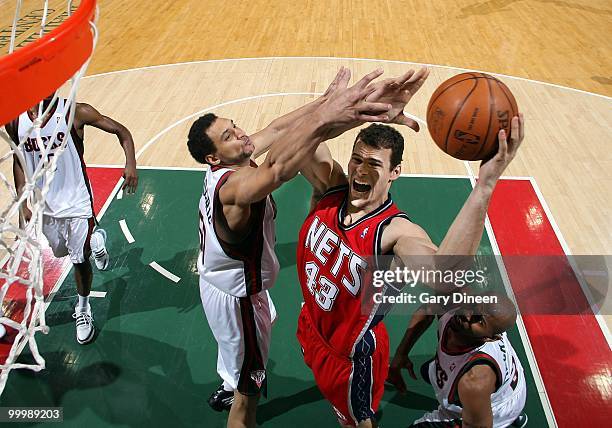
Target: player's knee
<point>245,401</point>
<point>59,251</point>
<point>82,266</point>
<point>368,423</point>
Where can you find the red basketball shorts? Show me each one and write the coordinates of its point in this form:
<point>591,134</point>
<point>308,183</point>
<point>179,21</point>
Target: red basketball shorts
<point>353,386</point>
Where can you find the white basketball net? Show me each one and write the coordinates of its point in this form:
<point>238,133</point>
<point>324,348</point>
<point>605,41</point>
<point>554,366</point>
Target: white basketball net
<point>21,264</point>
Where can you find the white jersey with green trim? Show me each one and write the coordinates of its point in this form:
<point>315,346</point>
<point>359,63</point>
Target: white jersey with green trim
<point>69,194</point>
<point>448,367</point>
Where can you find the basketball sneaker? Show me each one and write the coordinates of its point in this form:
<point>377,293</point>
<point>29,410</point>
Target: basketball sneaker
<point>521,421</point>
<point>85,329</point>
<point>97,243</point>
<point>221,399</point>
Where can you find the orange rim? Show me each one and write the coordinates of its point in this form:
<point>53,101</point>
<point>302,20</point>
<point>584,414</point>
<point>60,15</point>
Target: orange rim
<point>33,72</point>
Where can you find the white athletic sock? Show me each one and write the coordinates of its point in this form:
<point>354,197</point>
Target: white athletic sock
<point>83,303</point>
<point>227,386</point>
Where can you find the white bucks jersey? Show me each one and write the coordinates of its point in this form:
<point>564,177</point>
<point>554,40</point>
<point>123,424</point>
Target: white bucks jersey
<point>244,268</point>
<point>69,194</point>
<point>447,369</point>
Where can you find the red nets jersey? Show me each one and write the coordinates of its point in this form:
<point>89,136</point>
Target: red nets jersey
<point>335,267</point>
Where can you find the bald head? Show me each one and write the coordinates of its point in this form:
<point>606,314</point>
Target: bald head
<point>501,315</point>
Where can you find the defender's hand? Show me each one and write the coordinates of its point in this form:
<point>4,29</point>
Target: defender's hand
<point>492,169</point>
<point>398,363</point>
<point>398,92</point>
<point>343,108</point>
<point>130,174</point>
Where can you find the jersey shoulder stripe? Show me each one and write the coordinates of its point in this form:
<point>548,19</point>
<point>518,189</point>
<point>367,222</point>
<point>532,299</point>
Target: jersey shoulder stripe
<point>479,358</point>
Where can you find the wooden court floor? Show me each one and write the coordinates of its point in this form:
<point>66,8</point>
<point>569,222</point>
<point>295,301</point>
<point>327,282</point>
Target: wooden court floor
<point>566,150</point>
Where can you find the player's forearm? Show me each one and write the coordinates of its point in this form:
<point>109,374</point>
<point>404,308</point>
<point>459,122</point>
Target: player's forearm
<point>318,170</point>
<point>282,123</point>
<point>127,143</point>
<point>18,176</point>
<point>475,424</point>
<point>478,417</point>
<point>306,135</point>
<point>464,235</point>
<point>275,131</point>
<point>419,323</point>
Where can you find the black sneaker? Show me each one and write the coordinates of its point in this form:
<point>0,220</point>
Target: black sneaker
<point>221,399</point>
<point>521,421</point>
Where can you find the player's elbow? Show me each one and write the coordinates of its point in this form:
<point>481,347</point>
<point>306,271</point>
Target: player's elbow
<point>477,385</point>
<point>281,172</point>
<point>124,134</point>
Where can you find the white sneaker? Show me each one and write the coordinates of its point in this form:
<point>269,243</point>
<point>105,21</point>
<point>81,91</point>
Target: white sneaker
<point>97,242</point>
<point>85,329</point>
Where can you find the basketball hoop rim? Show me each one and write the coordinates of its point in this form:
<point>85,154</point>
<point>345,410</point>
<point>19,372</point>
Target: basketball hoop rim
<point>31,73</point>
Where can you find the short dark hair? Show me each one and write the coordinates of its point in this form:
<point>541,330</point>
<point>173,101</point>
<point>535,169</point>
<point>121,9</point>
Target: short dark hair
<point>198,142</point>
<point>383,137</point>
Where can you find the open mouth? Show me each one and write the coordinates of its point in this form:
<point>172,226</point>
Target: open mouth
<point>361,187</point>
<point>247,142</point>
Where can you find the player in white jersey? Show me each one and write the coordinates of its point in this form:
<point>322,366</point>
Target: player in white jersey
<point>476,375</point>
<point>68,216</point>
<point>237,263</point>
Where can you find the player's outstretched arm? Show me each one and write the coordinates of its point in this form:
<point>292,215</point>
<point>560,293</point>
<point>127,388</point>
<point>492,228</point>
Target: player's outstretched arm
<point>344,108</point>
<point>413,247</point>
<point>323,173</point>
<point>464,235</point>
<point>398,91</point>
<point>87,115</point>
<point>475,389</point>
<point>262,140</point>
<point>419,323</point>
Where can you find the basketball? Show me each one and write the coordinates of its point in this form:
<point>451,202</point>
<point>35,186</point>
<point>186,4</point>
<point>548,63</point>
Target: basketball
<point>466,113</point>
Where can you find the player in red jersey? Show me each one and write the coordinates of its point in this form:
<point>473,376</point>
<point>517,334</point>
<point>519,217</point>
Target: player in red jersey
<point>353,222</point>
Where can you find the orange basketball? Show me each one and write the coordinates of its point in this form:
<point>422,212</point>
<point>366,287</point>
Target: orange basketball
<point>466,113</point>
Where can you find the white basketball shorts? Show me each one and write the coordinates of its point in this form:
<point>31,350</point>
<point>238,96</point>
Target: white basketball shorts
<point>504,412</point>
<point>69,236</point>
<point>242,327</point>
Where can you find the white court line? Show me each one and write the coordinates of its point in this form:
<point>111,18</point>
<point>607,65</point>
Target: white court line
<point>204,168</point>
<point>386,61</point>
<point>99,165</point>
<point>535,369</point>
<point>174,168</point>
<point>466,177</point>
<point>603,325</point>
<point>596,273</point>
<point>408,174</point>
<point>518,178</point>
<point>126,232</point>
<point>98,294</point>
<point>164,272</point>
